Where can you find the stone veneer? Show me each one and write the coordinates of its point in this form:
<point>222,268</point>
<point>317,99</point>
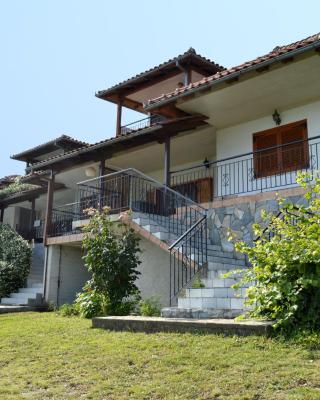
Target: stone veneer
<point>240,216</point>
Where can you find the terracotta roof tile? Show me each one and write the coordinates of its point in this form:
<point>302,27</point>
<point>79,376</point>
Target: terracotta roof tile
<point>277,51</point>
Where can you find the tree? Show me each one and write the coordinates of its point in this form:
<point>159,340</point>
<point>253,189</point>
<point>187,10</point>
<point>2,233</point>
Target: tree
<point>112,256</point>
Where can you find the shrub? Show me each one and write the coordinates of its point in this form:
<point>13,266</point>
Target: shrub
<point>90,302</point>
<point>197,283</point>
<point>150,307</point>
<point>286,264</point>
<point>68,310</point>
<point>15,259</point>
<point>112,256</point>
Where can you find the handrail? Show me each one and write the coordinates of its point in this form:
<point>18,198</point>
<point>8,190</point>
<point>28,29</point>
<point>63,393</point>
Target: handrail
<point>146,177</point>
<point>245,154</point>
<point>174,244</point>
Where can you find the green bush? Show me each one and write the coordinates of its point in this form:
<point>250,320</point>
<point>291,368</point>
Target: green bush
<point>286,264</point>
<point>15,260</point>
<point>150,307</point>
<point>90,302</point>
<point>112,257</point>
<point>69,310</point>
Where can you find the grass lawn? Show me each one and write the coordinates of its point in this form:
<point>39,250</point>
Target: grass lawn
<point>46,356</point>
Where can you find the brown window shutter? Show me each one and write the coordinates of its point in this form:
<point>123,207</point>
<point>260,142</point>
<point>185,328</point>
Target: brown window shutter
<point>294,156</point>
<point>204,190</point>
<point>266,162</point>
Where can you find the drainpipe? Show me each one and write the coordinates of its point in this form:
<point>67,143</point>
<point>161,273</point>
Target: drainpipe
<point>187,73</point>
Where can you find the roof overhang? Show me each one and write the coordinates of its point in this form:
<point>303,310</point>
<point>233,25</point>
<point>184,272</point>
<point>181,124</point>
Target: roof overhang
<point>203,87</point>
<point>106,149</point>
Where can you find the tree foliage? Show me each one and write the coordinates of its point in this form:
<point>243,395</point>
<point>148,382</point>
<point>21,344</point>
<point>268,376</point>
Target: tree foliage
<point>15,260</point>
<point>112,256</point>
<point>285,263</point>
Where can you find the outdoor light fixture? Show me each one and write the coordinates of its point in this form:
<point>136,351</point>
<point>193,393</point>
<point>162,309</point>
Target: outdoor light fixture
<point>276,117</point>
<point>206,163</point>
<point>90,172</point>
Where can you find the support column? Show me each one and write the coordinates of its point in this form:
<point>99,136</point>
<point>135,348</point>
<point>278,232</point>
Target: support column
<point>167,162</point>
<point>119,114</point>
<point>48,218</point>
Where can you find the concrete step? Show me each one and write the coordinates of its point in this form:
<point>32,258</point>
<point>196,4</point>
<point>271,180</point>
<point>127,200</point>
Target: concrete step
<point>212,302</point>
<point>221,282</point>
<point>23,296</point>
<point>31,290</point>
<point>225,260</point>
<point>199,313</point>
<point>14,301</point>
<point>154,228</point>
<point>215,292</point>
<point>220,272</point>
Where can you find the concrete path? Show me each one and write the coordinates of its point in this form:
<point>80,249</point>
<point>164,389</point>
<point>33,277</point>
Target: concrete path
<point>159,324</point>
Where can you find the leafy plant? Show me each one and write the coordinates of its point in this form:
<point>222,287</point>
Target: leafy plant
<point>150,307</point>
<point>286,263</point>
<point>16,187</point>
<point>69,310</point>
<point>90,302</point>
<point>112,256</point>
<point>15,260</point>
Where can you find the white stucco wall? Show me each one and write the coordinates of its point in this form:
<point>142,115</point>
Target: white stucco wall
<point>237,140</point>
<point>155,269</point>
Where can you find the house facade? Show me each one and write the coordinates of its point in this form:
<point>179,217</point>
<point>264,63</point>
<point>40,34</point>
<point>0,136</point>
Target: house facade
<point>208,156</point>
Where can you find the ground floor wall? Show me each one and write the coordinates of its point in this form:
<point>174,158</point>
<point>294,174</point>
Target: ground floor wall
<point>66,273</point>
<point>239,214</point>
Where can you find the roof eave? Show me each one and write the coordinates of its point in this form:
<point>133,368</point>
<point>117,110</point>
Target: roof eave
<point>281,57</point>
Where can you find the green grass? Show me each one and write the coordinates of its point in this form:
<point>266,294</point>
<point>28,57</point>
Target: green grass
<point>46,356</point>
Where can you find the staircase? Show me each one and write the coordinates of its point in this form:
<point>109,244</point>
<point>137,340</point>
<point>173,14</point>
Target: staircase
<point>32,294</point>
<point>181,224</point>
<point>215,298</point>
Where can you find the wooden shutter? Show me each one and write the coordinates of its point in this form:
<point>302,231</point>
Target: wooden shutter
<point>266,162</point>
<point>284,158</point>
<point>204,190</point>
<point>294,156</point>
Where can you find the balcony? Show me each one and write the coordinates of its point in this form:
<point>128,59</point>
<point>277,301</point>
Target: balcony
<point>255,172</point>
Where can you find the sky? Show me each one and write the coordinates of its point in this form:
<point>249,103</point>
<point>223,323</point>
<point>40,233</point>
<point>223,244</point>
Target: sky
<point>55,54</point>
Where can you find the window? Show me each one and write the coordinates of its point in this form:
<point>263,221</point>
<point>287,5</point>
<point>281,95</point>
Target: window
<point>281,149</point>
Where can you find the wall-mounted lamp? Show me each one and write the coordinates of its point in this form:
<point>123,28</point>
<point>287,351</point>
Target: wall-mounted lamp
<point>276,117</point>
<point>206,163</point>
<point>90,172</point>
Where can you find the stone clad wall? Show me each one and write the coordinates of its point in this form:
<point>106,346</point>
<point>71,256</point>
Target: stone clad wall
<point>239,217</point>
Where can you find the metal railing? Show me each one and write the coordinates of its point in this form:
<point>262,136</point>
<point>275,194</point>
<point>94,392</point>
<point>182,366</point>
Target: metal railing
<point>64,219</point>
<point>188,255</point>
<point>131,189</point>
<point>142,124</point>
<point>266,169</point>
